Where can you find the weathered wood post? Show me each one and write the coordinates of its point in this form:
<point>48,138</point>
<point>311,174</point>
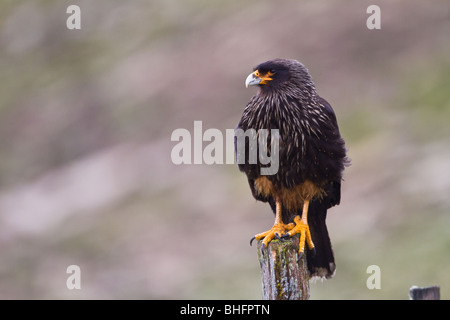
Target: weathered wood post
<point>283,278</point>
<point>426,293</point>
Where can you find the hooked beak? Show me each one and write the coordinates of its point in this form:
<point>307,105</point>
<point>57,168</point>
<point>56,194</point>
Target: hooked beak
<point>252,80</point>
<point>256,77</point>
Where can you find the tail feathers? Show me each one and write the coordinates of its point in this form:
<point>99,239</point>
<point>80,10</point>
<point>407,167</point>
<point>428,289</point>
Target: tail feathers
<point>321,264</point>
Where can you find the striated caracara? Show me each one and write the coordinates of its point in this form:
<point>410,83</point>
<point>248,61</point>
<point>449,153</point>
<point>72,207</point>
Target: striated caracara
<point>311,158</point>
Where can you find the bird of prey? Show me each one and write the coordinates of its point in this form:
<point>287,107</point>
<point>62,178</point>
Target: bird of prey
<point>311,155</point>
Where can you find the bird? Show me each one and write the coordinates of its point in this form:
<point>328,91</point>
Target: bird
<point>312,156</point>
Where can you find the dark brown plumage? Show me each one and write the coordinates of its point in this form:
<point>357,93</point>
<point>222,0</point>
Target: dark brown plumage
<point>312,157</point>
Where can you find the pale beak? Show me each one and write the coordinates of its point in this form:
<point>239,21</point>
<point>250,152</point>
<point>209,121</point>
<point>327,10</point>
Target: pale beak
<point>252,80</point>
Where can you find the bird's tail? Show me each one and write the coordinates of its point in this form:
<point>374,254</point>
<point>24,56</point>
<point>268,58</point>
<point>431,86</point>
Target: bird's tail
<point>321,263</point>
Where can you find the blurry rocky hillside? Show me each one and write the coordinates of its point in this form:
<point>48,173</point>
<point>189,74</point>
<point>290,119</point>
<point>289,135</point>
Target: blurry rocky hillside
<point>86,118</point>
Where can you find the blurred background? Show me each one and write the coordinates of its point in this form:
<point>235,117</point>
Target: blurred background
<point>86,118</point>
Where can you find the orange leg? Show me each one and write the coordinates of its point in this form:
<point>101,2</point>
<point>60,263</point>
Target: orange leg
<point>278,230</point>
<point>301,227</point>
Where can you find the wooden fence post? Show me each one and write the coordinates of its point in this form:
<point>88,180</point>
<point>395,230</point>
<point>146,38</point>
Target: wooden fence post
<point>283,278</point>
<point>427,293</point>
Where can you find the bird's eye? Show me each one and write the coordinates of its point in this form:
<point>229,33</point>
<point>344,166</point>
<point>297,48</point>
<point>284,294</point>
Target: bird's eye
<point>256,73</point>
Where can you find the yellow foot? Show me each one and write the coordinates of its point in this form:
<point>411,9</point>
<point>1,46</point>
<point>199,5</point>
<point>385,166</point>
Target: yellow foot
<point>278,231</point>
<point>301,228</point>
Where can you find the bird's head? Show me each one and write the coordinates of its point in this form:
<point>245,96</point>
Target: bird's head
<point>278,74</point>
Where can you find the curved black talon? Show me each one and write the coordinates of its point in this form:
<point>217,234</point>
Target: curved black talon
<point>262,248</point>
<point>251,240</point>
<point>283,237</point>
<point>313,251</point>
<point>299,257</point>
